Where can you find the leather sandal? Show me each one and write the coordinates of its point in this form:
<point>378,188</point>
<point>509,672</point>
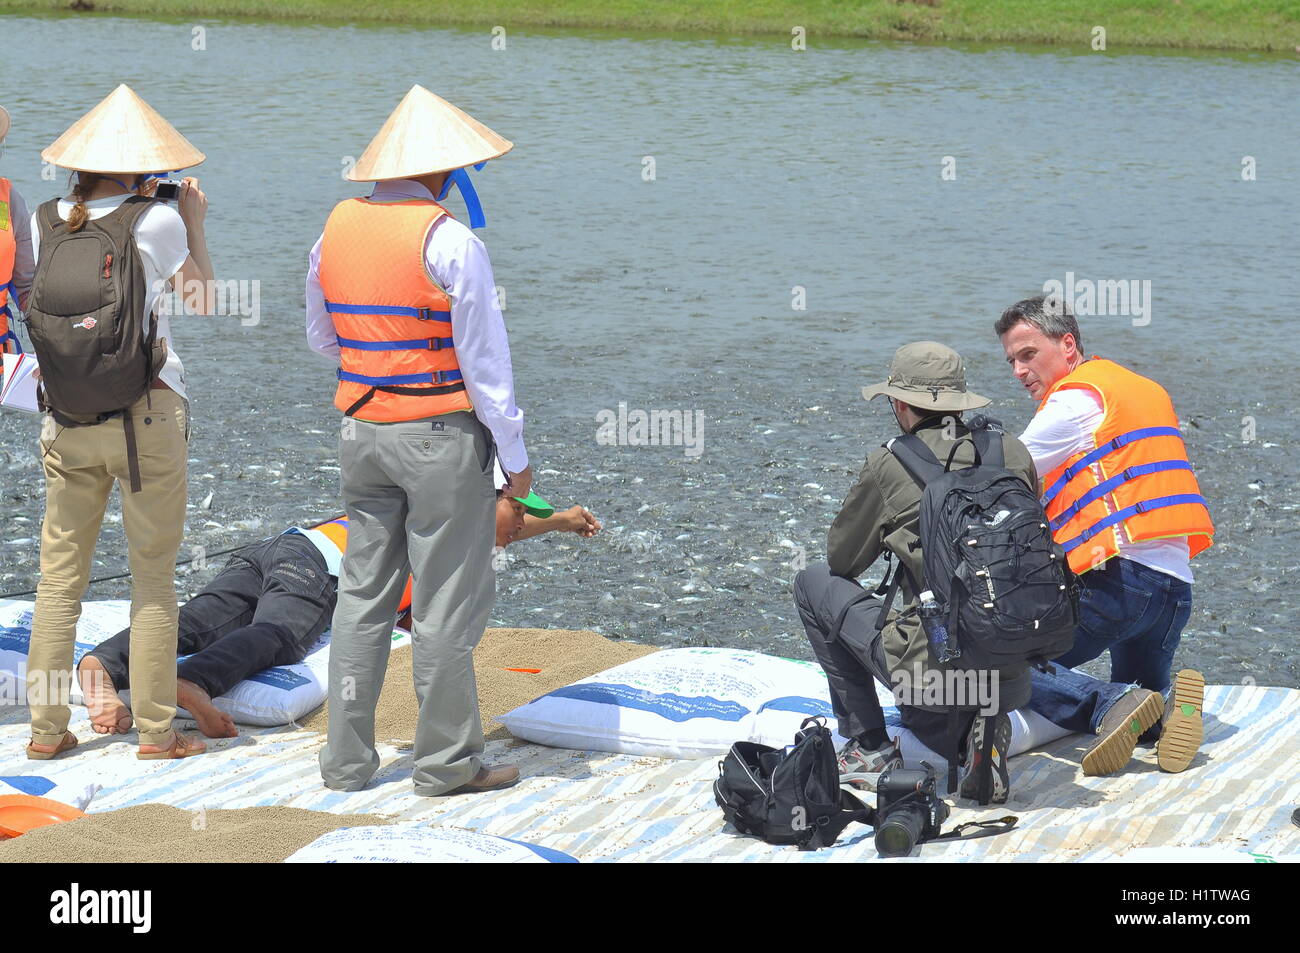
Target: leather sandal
<point>67,744</point>
<point>181,747</point>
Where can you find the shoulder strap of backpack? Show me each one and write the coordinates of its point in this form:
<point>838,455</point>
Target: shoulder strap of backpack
<point>988,443</point>
<point>917,459</point>
<point>894,580</point>
<point>954,748</point>
<point>47,218</point>
<point>134,206</point>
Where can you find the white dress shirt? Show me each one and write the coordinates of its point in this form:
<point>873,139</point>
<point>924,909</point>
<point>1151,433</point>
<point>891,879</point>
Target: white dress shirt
<point>1064,427</point>
<point>457,261</point>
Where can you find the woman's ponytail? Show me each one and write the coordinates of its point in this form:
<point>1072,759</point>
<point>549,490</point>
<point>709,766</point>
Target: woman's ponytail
<point>85,181</point>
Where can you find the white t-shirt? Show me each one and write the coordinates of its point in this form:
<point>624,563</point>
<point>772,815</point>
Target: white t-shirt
<point>1064,427</point>
<point>161,238</point>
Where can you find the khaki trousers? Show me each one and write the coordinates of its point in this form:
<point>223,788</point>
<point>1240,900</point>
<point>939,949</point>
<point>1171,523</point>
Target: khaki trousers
<point>81,465</point>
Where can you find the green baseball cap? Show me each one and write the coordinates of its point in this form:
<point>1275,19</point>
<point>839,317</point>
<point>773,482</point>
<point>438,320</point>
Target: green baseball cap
<point>533,504</point>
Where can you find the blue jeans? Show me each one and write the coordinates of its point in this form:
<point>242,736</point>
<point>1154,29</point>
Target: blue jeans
<point>1073,700</point>
<point>1138,614</point>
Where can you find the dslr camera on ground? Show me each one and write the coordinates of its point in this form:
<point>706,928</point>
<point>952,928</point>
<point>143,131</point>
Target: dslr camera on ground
<point>908,810</point>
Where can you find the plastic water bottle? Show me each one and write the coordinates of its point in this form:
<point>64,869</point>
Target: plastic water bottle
<point>945,649</point>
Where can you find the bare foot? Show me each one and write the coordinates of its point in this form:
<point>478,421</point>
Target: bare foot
<point>108,716</point>
<point>213,722</point>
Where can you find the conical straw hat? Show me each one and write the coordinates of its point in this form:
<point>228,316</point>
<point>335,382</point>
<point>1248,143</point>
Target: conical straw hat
<point>4,123</point>
<point>426,134</point>
<point>122,134</point>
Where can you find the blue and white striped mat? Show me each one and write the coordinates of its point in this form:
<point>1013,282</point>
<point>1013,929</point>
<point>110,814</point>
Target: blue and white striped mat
<point>1238,794</point>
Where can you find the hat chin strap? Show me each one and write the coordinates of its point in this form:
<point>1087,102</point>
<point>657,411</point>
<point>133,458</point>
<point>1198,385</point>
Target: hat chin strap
<point>460,179</point>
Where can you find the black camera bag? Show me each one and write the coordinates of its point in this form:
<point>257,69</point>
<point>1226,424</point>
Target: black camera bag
<point>788,795</point>
<point>793,795</point>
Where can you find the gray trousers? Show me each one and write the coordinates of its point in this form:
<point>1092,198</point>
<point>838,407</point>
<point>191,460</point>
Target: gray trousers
<point>419,497</point>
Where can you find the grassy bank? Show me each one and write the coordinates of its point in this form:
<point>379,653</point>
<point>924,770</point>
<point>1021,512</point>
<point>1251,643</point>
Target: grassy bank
<point>1188,24</point>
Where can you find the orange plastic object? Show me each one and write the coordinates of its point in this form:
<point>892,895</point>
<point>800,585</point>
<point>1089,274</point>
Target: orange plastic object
<point>530,671</point>
<point>20,813</point>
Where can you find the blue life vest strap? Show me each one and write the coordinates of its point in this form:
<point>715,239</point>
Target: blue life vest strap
<point>424,314</point>
<point>436,377</point>
<point>423,344</point>
<point>1105,449</point>
<point>1146,506</point>
<point>9,316</point>
<point>1101,489</point>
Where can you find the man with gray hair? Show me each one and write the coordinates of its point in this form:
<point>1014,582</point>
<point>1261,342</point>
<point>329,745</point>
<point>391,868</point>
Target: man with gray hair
<point>1124,504</point>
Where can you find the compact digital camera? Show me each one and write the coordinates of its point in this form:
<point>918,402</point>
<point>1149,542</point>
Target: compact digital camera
<point>169,190</point>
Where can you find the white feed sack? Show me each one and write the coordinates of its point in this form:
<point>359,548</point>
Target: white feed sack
<point>418,843</point>
<point>695,703</point>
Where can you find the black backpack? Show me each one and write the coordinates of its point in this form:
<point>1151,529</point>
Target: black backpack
<point>792,796</point>
<point>999,577</point>
<point>86,319</point>
<point>788,796</point>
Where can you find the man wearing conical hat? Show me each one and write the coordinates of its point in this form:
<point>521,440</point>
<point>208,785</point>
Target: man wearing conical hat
<point>16,261</point>
<point>402,297</point>
<point>115,407</point>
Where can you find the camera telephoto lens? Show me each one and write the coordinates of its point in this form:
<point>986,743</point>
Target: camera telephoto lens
<point>896,836</point>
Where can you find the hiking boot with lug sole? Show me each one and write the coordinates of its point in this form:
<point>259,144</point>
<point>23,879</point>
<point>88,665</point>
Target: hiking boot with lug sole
<point>1183,730</point>
<point>1133,713</point>
<point>986,778</point>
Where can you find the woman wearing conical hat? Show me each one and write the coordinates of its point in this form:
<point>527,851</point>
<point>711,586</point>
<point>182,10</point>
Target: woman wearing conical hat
<point>16,261</point>
<point>115,405</point>
<point>402,297</point>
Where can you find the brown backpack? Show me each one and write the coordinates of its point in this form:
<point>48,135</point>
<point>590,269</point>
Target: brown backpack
<point>86,320</point>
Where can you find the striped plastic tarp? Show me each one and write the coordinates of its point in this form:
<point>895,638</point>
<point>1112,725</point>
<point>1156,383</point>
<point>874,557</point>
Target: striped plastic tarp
<point>1238,794</point>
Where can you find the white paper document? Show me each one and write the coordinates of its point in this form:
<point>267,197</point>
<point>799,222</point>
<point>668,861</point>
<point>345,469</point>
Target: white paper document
<point>18,392</point>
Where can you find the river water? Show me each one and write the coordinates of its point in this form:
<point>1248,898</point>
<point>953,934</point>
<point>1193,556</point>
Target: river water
<point>740,232</point>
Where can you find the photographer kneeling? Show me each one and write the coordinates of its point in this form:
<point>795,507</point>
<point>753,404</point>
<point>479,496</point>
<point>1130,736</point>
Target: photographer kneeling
<point>927,391</point>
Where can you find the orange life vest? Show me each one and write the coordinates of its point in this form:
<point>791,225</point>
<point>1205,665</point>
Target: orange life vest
<point>8,251</point>
<point>392,320</point>
<point>336,531</point>
<point>1146,483</point>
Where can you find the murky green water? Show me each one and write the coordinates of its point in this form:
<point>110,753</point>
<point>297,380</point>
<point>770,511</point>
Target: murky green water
<point>773,170</point>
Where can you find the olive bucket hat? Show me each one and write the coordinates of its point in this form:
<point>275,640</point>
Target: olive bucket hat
<point>929,376</point>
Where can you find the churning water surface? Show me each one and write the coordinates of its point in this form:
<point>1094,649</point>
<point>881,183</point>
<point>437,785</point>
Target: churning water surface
<point>740,232</point>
